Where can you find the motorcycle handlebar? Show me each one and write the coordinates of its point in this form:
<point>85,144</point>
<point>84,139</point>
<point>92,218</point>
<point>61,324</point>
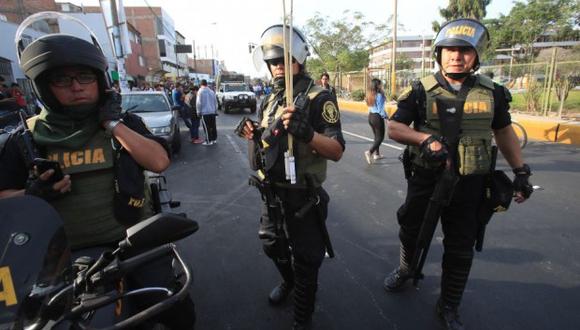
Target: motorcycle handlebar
<point>107,273</point>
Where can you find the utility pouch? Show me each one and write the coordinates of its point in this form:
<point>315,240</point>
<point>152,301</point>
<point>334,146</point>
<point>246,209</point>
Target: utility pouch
<point>474,156</point>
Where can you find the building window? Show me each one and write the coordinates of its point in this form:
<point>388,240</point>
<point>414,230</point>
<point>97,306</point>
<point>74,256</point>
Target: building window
<point>160,28</point>
<point>141,61</point>
<point>162,51</point>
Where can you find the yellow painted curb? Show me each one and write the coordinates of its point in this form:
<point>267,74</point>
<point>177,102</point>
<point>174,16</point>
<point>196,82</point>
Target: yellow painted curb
<point>538,128</point>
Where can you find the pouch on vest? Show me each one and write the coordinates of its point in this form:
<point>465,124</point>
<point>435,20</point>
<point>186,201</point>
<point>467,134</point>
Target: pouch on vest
<point>129,196</point>
<point>474,156</point>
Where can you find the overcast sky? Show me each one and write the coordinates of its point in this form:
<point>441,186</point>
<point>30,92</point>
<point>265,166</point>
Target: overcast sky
<point>229,25</point>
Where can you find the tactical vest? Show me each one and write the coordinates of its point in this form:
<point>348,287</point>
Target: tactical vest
<point>87,210</point>
<point>474,145</point>
<point>308,162</point>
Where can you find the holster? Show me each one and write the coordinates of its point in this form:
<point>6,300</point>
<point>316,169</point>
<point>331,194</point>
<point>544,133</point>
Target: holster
<point>405,158</point>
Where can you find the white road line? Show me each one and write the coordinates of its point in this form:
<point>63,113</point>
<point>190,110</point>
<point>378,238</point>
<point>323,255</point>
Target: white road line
<point>234,145</point>
<point>371,140</point>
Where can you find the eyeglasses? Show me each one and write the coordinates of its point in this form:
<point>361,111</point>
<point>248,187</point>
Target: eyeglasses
<point>278,61</point>
<point>67,81</point>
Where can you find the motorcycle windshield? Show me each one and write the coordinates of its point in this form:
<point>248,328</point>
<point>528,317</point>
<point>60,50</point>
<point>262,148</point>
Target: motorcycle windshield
<point>34,259</point>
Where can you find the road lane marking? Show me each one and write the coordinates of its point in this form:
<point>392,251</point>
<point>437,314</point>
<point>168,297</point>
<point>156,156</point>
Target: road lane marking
<point>371,140</point>
<point>236,148</point>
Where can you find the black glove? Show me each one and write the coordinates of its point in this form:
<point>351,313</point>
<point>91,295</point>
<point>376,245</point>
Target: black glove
<point>111,108</point>
<point>521,181</point>
<point>35,186</point>
<point>300,128</point>
<point>430,155</point>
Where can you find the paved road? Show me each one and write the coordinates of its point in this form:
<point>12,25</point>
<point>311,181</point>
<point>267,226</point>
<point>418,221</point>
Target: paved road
<point>528,276</point>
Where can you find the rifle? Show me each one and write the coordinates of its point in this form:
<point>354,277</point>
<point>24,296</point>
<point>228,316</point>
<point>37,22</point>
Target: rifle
<point>450,114</point>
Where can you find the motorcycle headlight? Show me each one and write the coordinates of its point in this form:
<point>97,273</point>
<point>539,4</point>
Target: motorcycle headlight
<point>163,130</point>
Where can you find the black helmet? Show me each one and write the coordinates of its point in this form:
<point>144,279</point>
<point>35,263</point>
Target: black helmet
<point>58,50</point>
<point>462,32</point>
<point>271,46</point>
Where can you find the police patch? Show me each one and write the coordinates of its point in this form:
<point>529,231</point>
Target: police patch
<point>330,113</point>
<point>405,94</point>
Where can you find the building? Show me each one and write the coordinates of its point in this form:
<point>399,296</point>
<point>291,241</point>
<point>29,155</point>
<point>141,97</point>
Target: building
<point>15,11</point>
<point>158,39</point>
<point>211,67</point>
<point>413,49</point>
<point>182,59</point>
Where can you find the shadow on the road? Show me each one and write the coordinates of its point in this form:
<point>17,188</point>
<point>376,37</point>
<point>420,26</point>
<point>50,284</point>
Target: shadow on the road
<point>509,256</point>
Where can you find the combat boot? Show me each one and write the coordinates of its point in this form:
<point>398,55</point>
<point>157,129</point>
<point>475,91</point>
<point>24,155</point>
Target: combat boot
<point>280,293</point>
<point>449,316</point>
<point>396,280</point>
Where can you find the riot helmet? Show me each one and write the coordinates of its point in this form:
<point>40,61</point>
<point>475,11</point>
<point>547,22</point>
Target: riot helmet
<point>52,51</point>
<point>462,32</point>
<point>271,46</point>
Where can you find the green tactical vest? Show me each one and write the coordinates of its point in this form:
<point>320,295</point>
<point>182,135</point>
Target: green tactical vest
<point>87,210</point>
<point>308,162</point>
<point>474,145</point>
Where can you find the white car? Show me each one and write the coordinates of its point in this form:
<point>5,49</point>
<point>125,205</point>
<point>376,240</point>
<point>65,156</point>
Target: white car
<point>157,113</point>
<point>236,95</point>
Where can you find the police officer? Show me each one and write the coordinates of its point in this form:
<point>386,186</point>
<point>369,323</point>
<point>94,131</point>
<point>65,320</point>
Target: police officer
<point>317,138</point>
<point>453,92</point>
<point>80,122</point>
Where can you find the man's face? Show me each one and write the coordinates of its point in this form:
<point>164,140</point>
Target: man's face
<point>324,80</point>
<point>276,67</point>
<point>73,86</point>
<point>458,59</point>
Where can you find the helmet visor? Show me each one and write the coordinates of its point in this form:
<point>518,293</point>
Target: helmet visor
<point>271,46</point>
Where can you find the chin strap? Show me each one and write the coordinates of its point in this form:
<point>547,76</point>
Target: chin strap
<point>457,75</point>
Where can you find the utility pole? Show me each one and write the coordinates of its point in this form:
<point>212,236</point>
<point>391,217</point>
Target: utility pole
<point>118,32</point>
<point>394,51</point>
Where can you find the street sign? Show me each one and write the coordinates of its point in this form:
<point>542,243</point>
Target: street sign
<point>183,49</point>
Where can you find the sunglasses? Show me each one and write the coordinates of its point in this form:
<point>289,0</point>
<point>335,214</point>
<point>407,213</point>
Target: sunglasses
<point>67,81</point>
<point>278,61</point>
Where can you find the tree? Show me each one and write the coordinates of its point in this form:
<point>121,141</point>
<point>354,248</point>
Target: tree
<point>342,44</point>
<point>528,22</point>
<point>462,9</point>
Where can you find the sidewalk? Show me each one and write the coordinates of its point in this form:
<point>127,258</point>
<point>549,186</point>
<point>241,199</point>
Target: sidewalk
<point>538,128</point>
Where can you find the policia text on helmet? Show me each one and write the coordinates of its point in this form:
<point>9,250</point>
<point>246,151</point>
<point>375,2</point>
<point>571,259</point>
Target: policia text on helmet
<point>458,47</point>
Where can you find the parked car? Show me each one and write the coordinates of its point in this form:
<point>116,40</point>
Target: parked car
<point>157,113</point>
<point>236,95</point>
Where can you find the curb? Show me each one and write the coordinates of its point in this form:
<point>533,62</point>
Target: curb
<point>538,128</point>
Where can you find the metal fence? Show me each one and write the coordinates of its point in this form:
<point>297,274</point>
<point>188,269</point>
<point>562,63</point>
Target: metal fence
<point>537,87</point>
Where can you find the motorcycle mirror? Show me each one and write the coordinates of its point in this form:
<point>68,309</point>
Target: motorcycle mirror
<point>160,229</point>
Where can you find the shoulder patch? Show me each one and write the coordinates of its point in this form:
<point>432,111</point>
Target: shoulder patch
<point>330,113</point>
<point>405,93</point>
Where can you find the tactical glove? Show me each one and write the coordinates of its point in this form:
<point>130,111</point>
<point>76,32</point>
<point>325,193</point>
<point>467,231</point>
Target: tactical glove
<point>111,108</point>
<point>300,128</point>
<point>35,186</point>
<point>428,154</point>
<point>521,181</point>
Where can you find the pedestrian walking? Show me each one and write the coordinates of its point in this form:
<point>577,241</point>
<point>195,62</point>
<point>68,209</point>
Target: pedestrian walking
<point>375,100</point>
<point>206,105</point>
<point>454,113</point>
<point>295,239</point>
<point>190,102</point>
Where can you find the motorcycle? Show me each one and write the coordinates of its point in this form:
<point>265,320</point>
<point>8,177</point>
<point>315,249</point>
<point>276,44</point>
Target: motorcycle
<point>42,289</point>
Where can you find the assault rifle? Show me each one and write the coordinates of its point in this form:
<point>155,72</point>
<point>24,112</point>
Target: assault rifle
<point>450,113</point>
